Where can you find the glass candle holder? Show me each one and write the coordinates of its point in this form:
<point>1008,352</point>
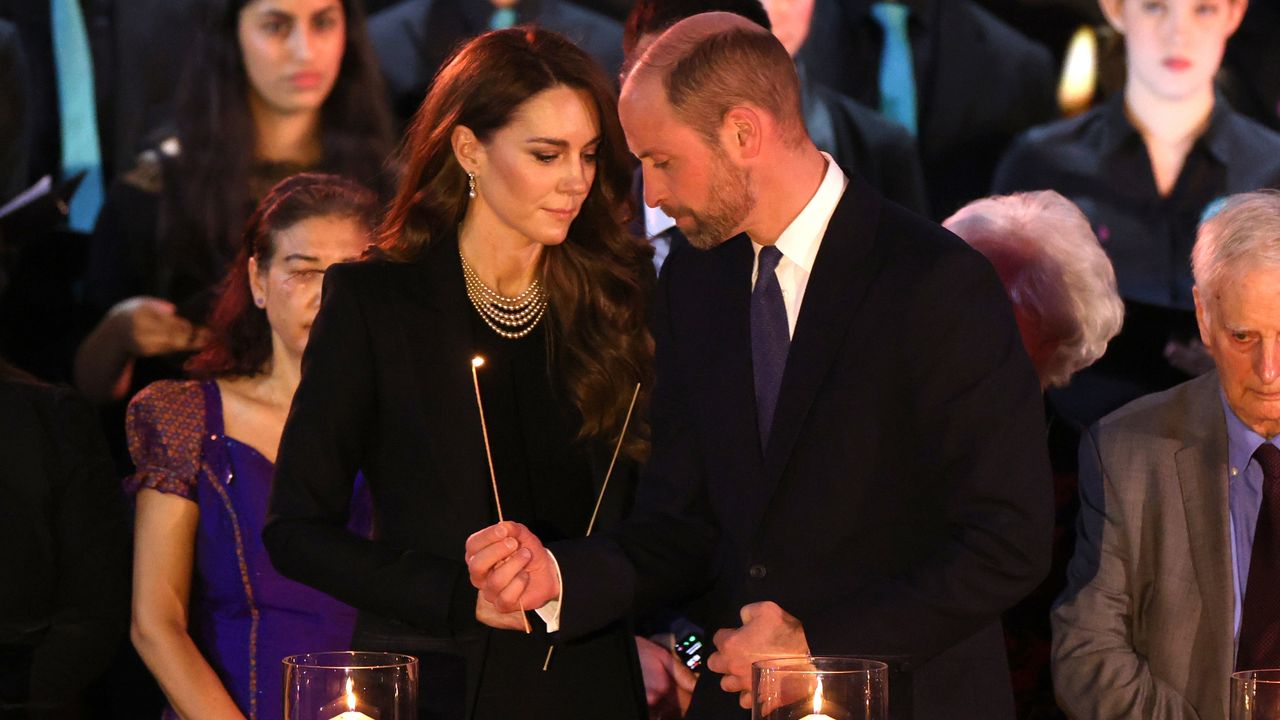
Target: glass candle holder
<point>820,688</point>
<point>1255,695</point>
<point>350,686</point>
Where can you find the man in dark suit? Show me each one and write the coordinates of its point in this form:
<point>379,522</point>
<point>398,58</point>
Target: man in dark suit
<point>13,114</point>
<point>134,52</point>
<point>64,601</point>
<point>977,82</point>
<point>859,138</point>
<point>414,37</point>
<point>848,452</point>
<point>137,52</point>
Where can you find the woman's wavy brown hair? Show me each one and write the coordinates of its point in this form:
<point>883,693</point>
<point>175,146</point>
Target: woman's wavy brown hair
<point>240,336</point>
<point>600,278</point>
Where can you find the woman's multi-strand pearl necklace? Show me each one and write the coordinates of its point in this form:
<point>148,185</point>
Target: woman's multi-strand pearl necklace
<point>510,317</point>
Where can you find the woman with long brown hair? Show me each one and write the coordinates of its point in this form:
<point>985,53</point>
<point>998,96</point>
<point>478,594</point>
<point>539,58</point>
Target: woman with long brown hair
<point>506,241</point>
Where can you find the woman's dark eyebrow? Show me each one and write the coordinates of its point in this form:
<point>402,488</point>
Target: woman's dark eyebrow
<point>559,142</point>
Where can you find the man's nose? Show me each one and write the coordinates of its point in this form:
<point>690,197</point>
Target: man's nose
<point>654,193</point>
<point>1268,362</point>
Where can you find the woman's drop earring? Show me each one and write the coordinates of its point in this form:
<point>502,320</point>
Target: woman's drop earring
<point>471,185</point>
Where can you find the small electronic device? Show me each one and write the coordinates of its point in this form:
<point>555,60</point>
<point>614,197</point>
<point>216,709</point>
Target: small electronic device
<point>691,650</point>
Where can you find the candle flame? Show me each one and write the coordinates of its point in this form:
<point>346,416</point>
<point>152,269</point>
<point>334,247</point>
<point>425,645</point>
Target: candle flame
<point>1079,81</point>
<point>817,698</point>
<point>351,696</point>
<point>477,361</point>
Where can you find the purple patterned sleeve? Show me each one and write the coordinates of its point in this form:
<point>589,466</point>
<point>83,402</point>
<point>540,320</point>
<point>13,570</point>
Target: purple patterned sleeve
<point>164,425</point>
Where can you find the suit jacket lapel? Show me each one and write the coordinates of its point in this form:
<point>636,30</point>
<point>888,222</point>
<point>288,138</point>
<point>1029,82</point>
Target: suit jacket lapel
<point>441,345</point>
<point>842,272</point>
<point>723,357</point>
<point>1202,468</point>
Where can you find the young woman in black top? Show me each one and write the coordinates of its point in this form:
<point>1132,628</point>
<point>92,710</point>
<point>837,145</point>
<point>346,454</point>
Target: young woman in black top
<point>1145,166</point>
<point>274,87</point>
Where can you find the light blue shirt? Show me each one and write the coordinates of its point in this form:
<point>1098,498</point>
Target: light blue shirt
<point>1244,495</point>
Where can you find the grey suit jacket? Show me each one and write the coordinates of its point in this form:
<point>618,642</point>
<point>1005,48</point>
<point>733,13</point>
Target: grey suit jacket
<point>1145,627</point>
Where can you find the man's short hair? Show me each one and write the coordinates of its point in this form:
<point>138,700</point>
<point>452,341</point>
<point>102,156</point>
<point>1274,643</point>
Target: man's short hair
<point>1243,234</point>
<point>713,62</point>
<point>1062,274</point>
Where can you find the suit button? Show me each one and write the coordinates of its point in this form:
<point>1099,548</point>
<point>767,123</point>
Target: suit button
<point>757,572</point>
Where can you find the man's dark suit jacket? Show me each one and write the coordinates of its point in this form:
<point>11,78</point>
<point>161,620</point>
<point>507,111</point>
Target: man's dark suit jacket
<point>138,47</point>
<point>64,551</point>
<point>904,498</point>
<point>978,82</point>
<point>861,139</point>
<point>13,114</point>
<point>386,390</point>
<point>414,38</point>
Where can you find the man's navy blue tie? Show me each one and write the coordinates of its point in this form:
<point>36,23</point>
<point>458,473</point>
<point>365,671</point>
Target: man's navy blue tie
<point>1259,644</point>
<point>770,340</point>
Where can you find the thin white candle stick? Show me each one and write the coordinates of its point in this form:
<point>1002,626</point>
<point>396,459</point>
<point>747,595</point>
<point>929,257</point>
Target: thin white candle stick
<point>477,362</point>
<point>626,423</point>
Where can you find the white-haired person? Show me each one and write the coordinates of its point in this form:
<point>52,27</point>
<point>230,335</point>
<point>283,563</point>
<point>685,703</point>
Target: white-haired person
<point>1174,582</point>
<point>1060,280</point>
<point>1064,296</point>
<point>1146,166</point>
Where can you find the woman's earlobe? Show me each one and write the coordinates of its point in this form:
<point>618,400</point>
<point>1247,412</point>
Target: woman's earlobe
<point>1111,11</point>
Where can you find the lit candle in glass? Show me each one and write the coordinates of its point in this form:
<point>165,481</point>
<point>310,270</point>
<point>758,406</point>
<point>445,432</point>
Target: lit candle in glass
<point>783,688</point>
<point>350,713</point>
<point>817,705</point>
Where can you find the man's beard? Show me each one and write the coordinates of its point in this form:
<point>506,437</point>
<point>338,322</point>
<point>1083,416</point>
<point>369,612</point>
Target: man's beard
<point>731,200</point>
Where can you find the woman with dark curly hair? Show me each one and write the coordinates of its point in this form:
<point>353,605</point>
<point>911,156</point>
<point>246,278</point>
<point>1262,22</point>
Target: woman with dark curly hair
<point>506,241</point>
<point>211,618</point>
<point>273,88</point>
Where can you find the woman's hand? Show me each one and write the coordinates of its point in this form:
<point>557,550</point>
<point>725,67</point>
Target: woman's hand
<point>137,327</point>
<point>150,326</point>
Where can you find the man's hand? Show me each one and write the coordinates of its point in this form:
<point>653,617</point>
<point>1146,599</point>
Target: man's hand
<point>767,631</point>
<point>511,569</point>
<point>489,615</point>
<point>668,684</point>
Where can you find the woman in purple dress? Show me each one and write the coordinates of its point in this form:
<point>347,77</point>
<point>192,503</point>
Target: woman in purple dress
<point>211,617</point>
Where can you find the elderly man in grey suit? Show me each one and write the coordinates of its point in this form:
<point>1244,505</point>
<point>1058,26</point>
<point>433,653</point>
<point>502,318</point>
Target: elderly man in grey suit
<point>1175,581</point>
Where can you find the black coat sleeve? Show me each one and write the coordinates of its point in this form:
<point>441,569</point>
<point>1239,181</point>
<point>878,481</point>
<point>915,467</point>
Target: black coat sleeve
<point>665,551</point>
<point>329,438</point>
<point>65,599</point>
